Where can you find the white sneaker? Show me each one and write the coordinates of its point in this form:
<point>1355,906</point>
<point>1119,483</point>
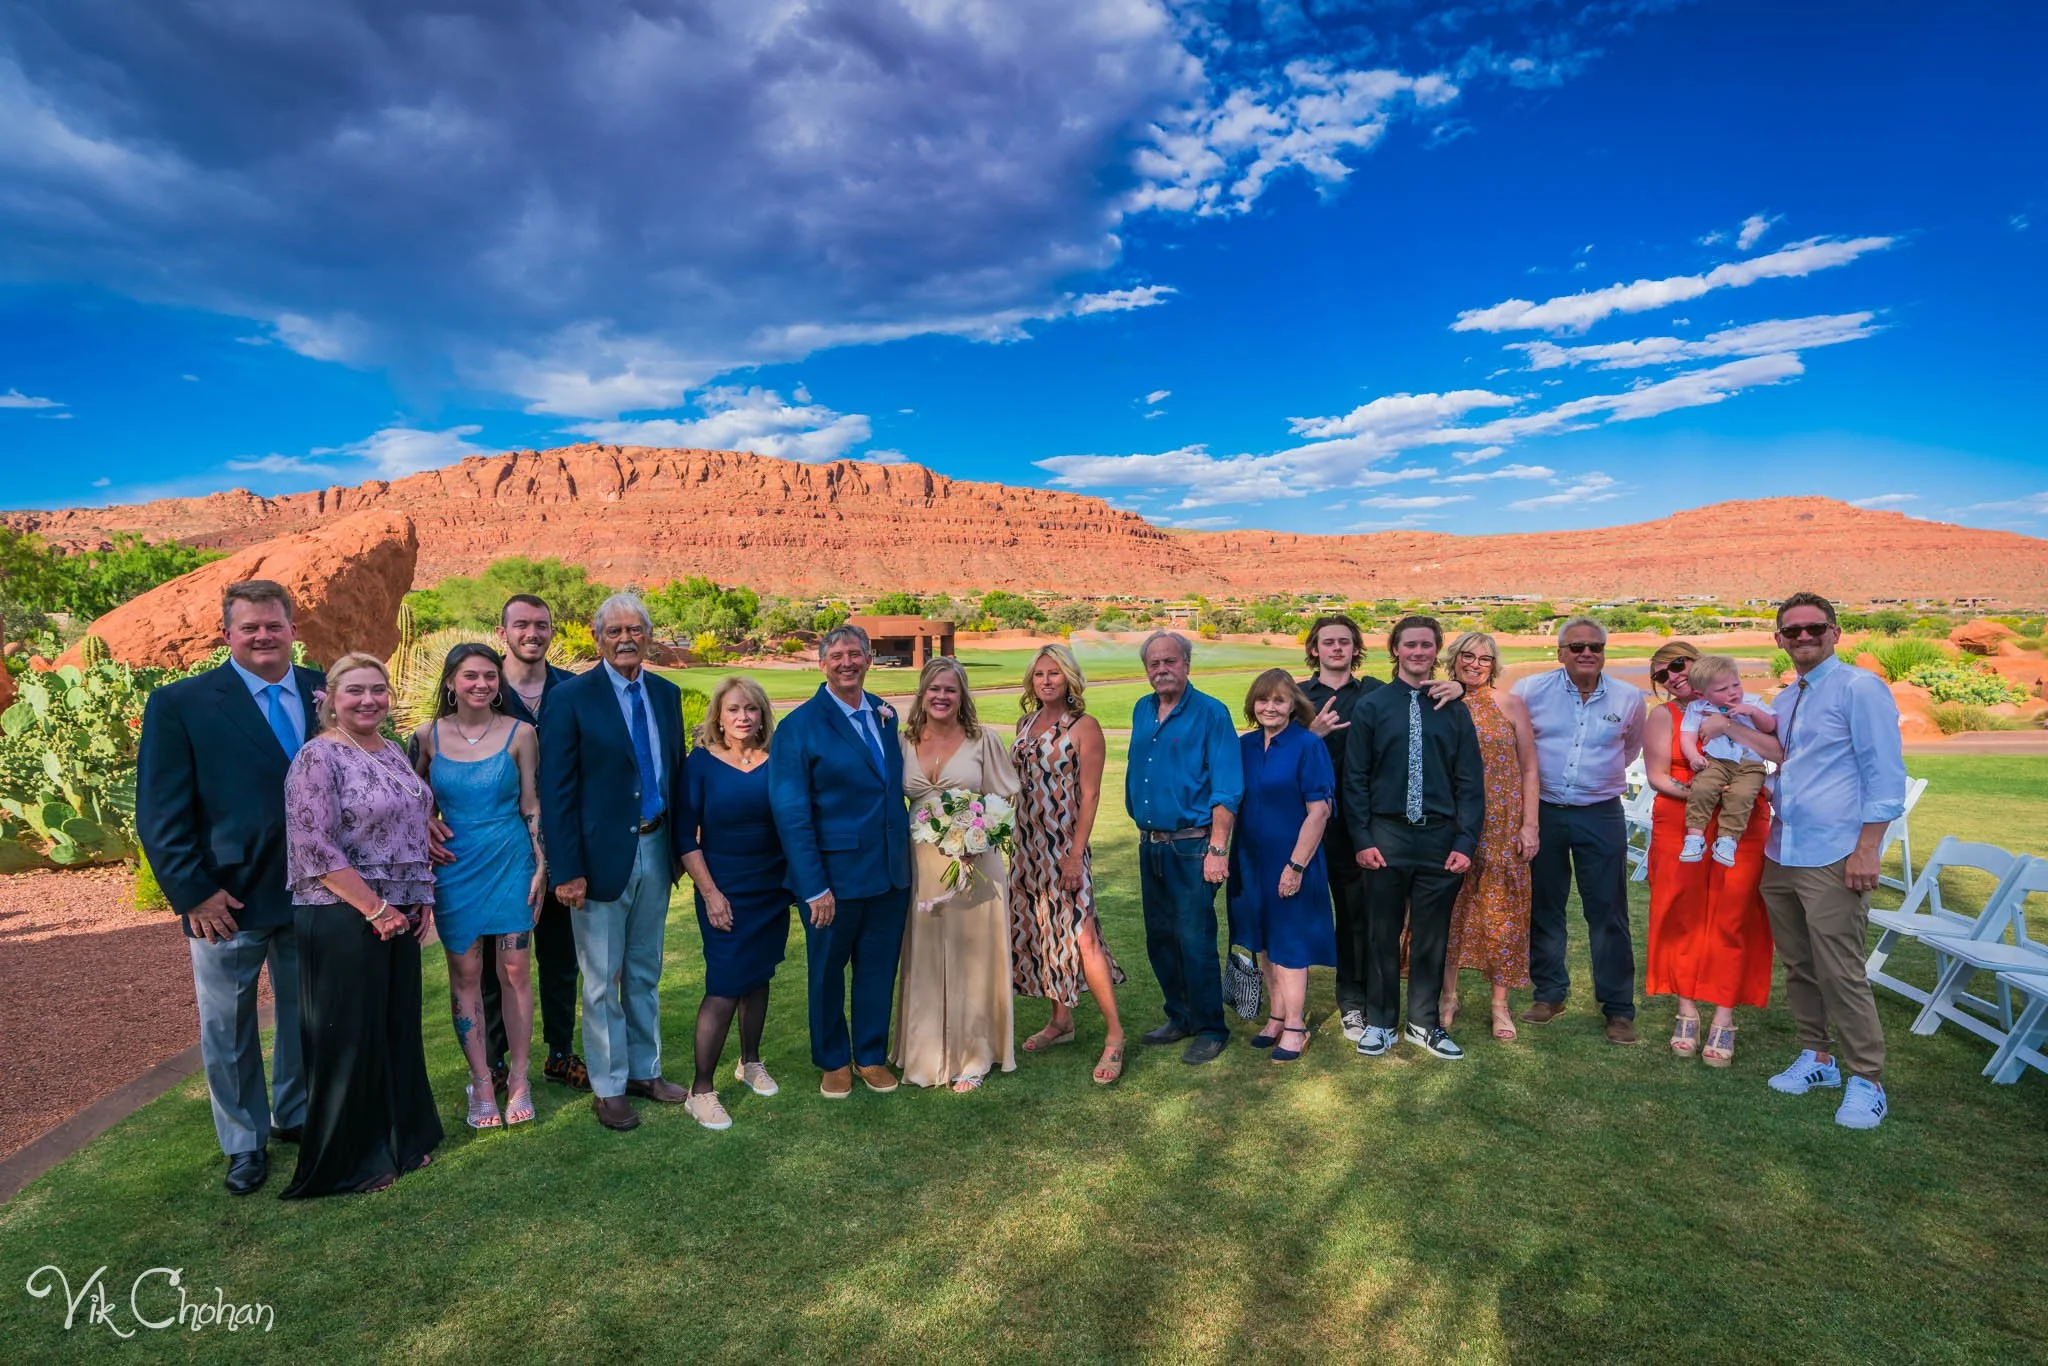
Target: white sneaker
<point>1354,1025</point>
<point>1694,849</point>
<point>1806,1072</point>
<point>1434,1041</point>
<point>1724,851</point>
<point>708,1110</point>
<point>1863,1105</point>
<point>756,1077</point>
<point>1375,1041</point>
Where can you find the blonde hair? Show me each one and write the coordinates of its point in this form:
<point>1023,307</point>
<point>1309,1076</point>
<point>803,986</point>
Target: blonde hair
<point>1667,654</point>
<point>1471,638</point>
<point>913,726</point>
<point>349,663</point>
<point>1707,670</point>
<point>711,730</point>
<point>1278,683</point>
<point>1070,669</point>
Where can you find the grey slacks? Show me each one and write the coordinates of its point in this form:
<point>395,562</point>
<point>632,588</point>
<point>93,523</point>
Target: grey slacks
<point>618,946</point>
<point>224,977</point>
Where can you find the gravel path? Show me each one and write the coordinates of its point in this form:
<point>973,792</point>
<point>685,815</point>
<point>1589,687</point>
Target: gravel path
<point>92,994</point>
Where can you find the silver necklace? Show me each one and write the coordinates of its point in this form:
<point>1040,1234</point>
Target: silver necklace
<point>465,735</point>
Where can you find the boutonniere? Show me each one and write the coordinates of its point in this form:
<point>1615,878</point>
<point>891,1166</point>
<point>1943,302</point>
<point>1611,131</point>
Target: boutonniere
<point>319,698</point>
<point>886,712</point>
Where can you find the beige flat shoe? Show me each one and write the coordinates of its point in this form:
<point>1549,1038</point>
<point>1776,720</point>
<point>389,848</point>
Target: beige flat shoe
<point>756,1077</point>
<point>708,1110</point>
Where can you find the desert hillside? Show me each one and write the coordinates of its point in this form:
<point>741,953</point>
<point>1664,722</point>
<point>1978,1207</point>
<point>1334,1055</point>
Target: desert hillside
<point>632,514</point>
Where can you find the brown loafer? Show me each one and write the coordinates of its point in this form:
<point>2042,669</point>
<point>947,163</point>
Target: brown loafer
<point>1543,1012</point>
<point>836,1084</point>
<point>1620,1030</point>
<point>614,1113</point>
<point>658,1089</point>
<point>878,1078</point>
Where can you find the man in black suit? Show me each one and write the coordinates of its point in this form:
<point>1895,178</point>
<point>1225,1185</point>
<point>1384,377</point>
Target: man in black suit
<point>1415,800</point>
<point>527,628</point>
<point>616,823</point>
<point>209,808</point>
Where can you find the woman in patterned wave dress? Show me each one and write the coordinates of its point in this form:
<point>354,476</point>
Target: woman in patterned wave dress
<point>1055,937</point>
<point>1490,923</point>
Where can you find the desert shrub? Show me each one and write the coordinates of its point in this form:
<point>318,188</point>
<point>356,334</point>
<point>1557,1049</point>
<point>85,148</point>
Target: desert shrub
<point>476,601</point>
<point>790,646</point>
<point>1073,616</point>
<point>902,604</point>
<point>67,764</point>
<point>695,705</point>
<point>1954,718</point>
<point>573,644</point>
<point>1781,663</point>
<point>148,895</point>
<point>1513,620</point>
<point>2028,642</point>
<point>416,677</point>
<point>1112,619</point>
<point>1902,656</point>
<point>830,615</point>
<point>1011,609</point>
<point>1949,680</point>
<point>696,606</point>
<point>708,649</point>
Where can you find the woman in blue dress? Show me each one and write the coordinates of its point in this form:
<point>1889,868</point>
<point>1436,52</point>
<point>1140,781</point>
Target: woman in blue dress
<point>1280,905</point>
<point>481,764</point>
<point>743,905</point>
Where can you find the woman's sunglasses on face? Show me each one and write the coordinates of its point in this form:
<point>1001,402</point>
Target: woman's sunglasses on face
<point>1812,630</point>
<point>1676,666</point>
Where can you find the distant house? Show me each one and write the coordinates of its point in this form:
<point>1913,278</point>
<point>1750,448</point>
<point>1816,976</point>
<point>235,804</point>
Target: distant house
<point>906,640</point>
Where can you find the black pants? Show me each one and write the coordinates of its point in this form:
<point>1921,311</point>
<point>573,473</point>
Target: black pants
<point>1416,890</point>
<point>554,982</point>
<point>370,1111</point>
<point>1591,842</point>
<point>1354,944</point>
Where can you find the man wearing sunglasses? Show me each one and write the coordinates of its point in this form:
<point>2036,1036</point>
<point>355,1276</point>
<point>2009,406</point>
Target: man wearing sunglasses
<point>1589,729</point>
<point>1842,781</point>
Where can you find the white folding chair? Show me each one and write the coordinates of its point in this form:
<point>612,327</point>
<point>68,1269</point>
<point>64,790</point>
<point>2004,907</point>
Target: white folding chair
<point>1923,912</point>
<point>2022,1046</point>
<point>1900,833</point>
<point>1638,804</point>
<point>1989,953</point>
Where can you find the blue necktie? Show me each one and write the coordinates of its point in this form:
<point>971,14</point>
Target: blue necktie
<point>643,755</point>
<point>1414,806</point>
<point>280,720</point>
<point>865,723</point>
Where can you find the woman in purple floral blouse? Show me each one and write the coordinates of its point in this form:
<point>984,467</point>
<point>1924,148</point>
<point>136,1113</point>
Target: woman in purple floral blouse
<point>356,830</point>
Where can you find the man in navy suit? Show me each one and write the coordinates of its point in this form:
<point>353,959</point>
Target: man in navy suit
<point>835,776</point>
<point>209,810</point>
<point>616,822</point>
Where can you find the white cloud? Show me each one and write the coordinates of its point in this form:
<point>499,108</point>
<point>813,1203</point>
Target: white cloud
<point>281,464</point>
<point>1483,453</point>
<point>14,398</point>
<point>589,370</point>
<point>1504,472</point>
<point>2031,505</point>
<point>1752,339</point>
<point>1753,229</point>
<point>1001,325</point>
<point>189,379</point>
<point>1399,414</point>
<point>1577,312</point>
<point>1593,487</point>
<point>1209,480</point>
<point>101,482</point>
<point>1884,500</point>
<point>339,337</point>
<point>1158,396</point>
<point>746,419</point>
<point>2019,222</point>
<point>398,451</point>
<point>1413,521</point>
<point>1195,523</point>
<point>1427,500</point>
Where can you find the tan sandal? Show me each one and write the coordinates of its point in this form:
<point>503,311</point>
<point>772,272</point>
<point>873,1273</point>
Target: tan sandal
<point>1720,1049</point>
<point>1110,1066</point>
<point>1685,1035</point>
<point>1503,1022</point>
<point>1048,1037</point>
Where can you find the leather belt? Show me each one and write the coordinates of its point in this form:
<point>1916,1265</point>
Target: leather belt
<point>648,827</point>
<point>1169,836</point>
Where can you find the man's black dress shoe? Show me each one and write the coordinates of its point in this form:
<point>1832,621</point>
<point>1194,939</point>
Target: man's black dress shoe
<point>1204,1049</point>
<point>287,1133</point>
<point>246,1173</point>
<point>1166,1033</point>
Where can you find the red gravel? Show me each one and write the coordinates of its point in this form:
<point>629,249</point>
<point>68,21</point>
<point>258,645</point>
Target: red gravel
<point>93,993</point>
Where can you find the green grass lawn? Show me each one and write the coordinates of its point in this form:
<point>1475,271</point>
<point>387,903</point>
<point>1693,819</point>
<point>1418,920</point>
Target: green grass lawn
<point>1552,1199</point>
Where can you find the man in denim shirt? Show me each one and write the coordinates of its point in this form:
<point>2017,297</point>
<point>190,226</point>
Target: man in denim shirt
<point>1182,787</point>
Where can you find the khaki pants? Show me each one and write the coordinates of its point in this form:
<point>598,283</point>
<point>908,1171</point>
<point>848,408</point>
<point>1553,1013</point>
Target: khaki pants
<point>1731,785</point>
<point>1820,929</point>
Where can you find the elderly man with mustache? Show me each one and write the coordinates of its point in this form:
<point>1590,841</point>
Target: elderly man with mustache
<point>617,824</point>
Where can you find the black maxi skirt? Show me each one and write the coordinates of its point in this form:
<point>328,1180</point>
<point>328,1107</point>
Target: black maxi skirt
<point>369,1107</point>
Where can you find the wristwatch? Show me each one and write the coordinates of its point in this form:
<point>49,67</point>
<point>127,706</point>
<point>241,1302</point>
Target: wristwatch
<point>1297,867</point>
<point>1218,850</point>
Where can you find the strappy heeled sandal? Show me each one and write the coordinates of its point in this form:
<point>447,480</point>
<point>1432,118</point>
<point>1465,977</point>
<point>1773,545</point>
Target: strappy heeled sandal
<point>963,1085</point>
<point>1720,1049</point>
<point>1111,1063</point>
<point>519,1103</point>
<point>1290,1054</point>
<point>1685,1035</point>
<point>1263,1040</point>
<point>483,1114</point>
<point>1503,1022</point>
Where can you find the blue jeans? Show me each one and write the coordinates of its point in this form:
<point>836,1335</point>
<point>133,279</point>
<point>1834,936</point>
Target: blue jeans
<point>1180,933</point>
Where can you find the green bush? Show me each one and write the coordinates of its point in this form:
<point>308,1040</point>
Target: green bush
<point>1781,663</point>
<point>695,706</point>
<point>1955,718</point>
<point>67,764</point>
<point>1512,620</point>
<point>573,644</point>
<point>148,895</point>
<point>1951,680</point>
<point>696,606</point>
<point>706,647</point>
<point>1902,656</point>
<point>476,602</point>
<point>1011,609</point>
<point>790,646</point>
<point>2034,643</point>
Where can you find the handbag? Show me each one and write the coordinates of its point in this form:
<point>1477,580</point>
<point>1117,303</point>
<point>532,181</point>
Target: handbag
<point>1242,978</point>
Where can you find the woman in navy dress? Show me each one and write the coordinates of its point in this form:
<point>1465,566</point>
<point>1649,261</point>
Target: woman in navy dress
<point>1280,905</point>
<point>743,904</point>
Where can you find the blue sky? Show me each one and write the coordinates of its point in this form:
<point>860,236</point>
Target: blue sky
<point>1504,266</point>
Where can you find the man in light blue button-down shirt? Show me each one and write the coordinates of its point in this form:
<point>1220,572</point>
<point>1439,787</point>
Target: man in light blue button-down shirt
<point>1841,783</point>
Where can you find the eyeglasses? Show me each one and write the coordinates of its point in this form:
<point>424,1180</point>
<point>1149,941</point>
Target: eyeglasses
<point>1676,666</point>
<point>1812,630</point>
<point>1579,647</point>
<point>1468,657</point>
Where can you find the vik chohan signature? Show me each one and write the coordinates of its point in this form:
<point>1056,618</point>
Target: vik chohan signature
<point>157,1299</point>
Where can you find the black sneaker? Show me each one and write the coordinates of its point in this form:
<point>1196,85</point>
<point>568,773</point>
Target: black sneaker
<point>1376,1040</point>
<point>1165,1034</point>
<point>567,1069</point>
<point>1434,1040</point>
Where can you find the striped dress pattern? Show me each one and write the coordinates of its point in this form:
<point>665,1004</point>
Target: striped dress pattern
<point>1046,919</point>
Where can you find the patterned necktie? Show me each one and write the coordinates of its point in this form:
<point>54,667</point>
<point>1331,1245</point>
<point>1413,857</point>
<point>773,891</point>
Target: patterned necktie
<point>1414,808</point>
<point>1792,716</point>
<point>280,719</point>
<point>864,722</point>
<point>643,755</point>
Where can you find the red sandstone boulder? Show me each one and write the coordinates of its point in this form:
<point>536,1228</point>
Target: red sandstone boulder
<point>6,688</point>
<point>1869,664</point>
<point>346,579</point>
<point>1981,637</point>
<point>1916,713</point>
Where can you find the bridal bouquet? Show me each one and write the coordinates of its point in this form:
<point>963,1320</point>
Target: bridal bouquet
<point>961,824</point>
